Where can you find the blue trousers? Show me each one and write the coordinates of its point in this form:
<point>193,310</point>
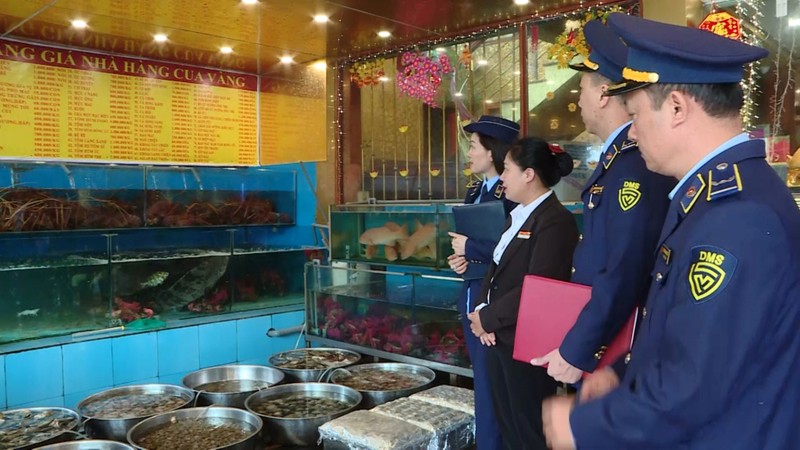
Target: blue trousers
<point>487,430</point>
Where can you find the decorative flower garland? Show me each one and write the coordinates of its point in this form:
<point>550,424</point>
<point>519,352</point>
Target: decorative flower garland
<point>421,75</point>
<point>367,73</point>
<point>572,42</point>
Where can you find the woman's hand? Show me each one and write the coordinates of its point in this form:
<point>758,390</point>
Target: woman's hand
<point>458,263</point>
<point>488,339</point>
<point>459,243</point>
<point>475,325</point>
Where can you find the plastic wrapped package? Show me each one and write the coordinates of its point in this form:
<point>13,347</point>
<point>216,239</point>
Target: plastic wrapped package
<point>367,430</point>
<point>452,429</point>
<point>449,396</point>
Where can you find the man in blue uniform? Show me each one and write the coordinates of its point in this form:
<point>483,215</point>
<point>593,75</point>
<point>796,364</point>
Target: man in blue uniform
<point>715,361</point>
<point>623,209</point>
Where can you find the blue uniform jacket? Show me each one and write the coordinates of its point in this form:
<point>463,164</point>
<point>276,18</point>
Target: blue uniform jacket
<point>716,359</point>
<point>624,205</point>
<point>480,251</point>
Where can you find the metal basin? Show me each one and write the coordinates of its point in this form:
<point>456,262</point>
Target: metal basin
<point>373,398</point>
<point>117,428</point>
<point>88,445</point>
<point>211,415</point>
<point>67,434</point>
<point>310,375</point>
<point>261,375</point>
<point>301,431</point>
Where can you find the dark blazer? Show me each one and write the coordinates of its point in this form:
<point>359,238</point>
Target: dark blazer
<point>547,253</point>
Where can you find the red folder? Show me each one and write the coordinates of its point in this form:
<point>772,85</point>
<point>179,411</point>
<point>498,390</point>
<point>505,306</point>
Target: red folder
<point>547,311</point>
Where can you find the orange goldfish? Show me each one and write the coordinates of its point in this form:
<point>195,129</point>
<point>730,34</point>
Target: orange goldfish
<point>388,234</point>
<point>390,252</point>
<point>424,236</point>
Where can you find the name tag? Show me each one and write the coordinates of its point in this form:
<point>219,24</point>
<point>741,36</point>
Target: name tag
<point>524,235</point>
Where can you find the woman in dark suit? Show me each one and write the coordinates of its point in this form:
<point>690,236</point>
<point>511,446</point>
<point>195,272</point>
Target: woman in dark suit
<point>539,240</point>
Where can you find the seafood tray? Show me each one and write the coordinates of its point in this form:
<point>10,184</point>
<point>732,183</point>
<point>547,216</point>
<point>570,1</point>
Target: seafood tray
<point>313,359</point>
<point>450,397</point>
<point>132,405</point>
<point>366,430</point>
<point>379,379</point>
<point>193,434</point>
<point>451,428</point>
<point>23,428</point>
<point>299,406</point>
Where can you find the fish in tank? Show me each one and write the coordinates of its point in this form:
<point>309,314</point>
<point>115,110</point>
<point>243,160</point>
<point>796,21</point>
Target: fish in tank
<point>399,238</point>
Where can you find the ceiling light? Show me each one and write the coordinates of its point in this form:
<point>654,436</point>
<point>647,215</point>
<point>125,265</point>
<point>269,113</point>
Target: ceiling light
<point>551,82</point>
<point>160,38</point>
<point>249,2</point>
<point>384,34</point>
<point>320,65</point>
<point>482,62</point>
<point>286,59</point>
<point>79,24</point>
<point>384,79</point>
<point>441,49</point>
<point>794,22</point>
<point>517,72</point>
<point>226,50</point>
<point>458,94</point>
<point>489,101</point>
<point>321,18</point>
<point>573,91</point>
<point>521,2</point>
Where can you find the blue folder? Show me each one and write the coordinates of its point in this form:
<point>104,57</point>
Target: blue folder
<point>484,222</point>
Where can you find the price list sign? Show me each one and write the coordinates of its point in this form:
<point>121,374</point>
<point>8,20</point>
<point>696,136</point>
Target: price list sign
<point>71,105</point>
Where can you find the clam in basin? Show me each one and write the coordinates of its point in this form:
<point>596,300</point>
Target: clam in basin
<point>312,364</point>
<point>230,385</point>
<point>292,413</point>
<point>379,383</point>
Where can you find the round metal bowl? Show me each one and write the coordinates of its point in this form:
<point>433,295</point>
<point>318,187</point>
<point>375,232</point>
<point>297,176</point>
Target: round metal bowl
<point>213,415</point>
<point>88,445</point>
<point>301,431</point>
<point>67,434</point>
<point>233,372</point>
<point>117,428</point>
<point>373,398</point>
<point>310,375</point>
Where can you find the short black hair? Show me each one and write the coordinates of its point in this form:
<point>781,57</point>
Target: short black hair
<point>535,153</point>
<point>724,100</point>
<point>497,147</point>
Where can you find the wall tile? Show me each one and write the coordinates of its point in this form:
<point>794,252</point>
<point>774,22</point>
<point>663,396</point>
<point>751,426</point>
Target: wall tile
<point>55,401</point>
<point>252,340</point>
<point>2,382</point>
<point>174,378</point>
<point>135,357</point>
<point>152,380</point>
<point>34,375</point>
<point>87,365</point>
<point>178,351</point>
<point>217,343</point>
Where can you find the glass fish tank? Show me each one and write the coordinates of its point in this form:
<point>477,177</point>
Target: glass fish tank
<point>397,233</point>
<point>406,317</point>
<point>66,196</point>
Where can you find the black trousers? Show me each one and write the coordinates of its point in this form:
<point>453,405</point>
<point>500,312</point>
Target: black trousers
<point>517,392</point>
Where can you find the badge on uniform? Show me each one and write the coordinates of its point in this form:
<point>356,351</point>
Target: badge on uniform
<point>666,254</point>
<point>710,272</point>
<point>498,191</point>
<point>524,235</point>
<point>629,194</point>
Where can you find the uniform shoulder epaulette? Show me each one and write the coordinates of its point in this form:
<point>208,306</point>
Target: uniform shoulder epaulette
<point>697,185</point>
<point>723,181</point>
<point>474,184</point>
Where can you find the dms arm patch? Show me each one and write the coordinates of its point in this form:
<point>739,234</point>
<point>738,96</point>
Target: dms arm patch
<point>710,272</point>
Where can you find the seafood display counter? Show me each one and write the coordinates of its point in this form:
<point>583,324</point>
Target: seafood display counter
<point>87,248</point>
<point>404,317</point>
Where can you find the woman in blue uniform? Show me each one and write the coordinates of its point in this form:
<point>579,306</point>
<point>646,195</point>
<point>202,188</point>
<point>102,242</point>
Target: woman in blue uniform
<point>491,137</point>
<point>539,240</point>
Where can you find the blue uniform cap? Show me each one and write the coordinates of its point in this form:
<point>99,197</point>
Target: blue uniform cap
<point>608,53</point>
<point>664,53</point>
<point>496,127</point>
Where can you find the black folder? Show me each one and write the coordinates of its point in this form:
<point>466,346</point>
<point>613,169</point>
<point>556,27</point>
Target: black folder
<point>483,221</point>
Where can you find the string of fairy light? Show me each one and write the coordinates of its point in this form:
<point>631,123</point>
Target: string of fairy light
<point>750,11</point>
